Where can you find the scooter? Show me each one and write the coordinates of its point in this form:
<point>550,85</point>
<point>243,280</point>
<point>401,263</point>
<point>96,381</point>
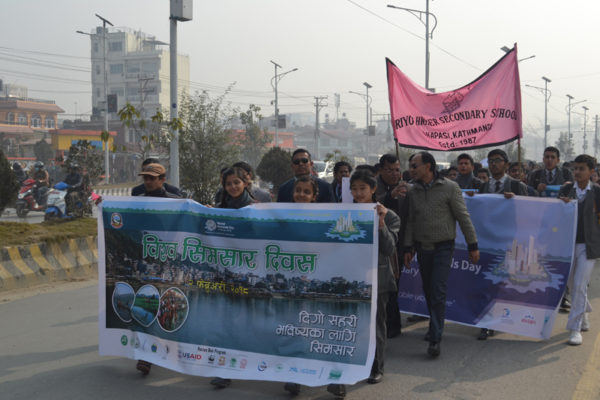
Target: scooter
<point>26,199</point>
<point>59,197</point>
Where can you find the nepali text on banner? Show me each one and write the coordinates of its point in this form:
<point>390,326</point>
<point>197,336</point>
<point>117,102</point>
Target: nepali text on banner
<point>526,246</point>
<point>485,112</point>
<point>281,292</point>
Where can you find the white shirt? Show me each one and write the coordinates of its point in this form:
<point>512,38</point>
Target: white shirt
<point>582,192</point>
<point>492,184</point>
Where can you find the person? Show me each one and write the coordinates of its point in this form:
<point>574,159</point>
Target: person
<point>587,243</point>
<point>483,174</point>
<point>42,182</point>
<point>499,182</point>
<point>235,183</point>
<point>20,174</point>
<point>75,188</point>
<point>435,204</point>
<point>154,176</point>
<point>465,177</point>
<point>302,165</point>
<point>137,190</point>
<point>341,169</point>
<point>452,173</point>
<point>260,195</point>
<point>551,173</point>
<point>515,171</point>
<point>595,178</point>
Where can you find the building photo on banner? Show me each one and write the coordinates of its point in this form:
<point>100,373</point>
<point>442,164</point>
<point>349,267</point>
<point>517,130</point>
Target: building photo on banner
<point>257,293</point>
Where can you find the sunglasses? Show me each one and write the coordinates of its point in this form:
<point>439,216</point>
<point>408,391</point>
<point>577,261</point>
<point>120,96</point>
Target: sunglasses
<point>300,160</point>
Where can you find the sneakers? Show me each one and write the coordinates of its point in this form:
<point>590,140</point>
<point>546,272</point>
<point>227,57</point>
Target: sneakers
<point>220,383</point>
<point>575,339</point>
<point>433,350</point>
<point>484,333</point>
<point>339,391</point>
<point>585,323</point>
<point>293,388</point>
<point>143,367</point>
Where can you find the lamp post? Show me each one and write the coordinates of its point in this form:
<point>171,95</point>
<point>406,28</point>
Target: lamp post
<point>368,102</point>
<point>570,106</point>
<point>506,50</point>
<point>546,98</point>
<point>585,109</point>
<point>428,35</point>
<point>274,81</point>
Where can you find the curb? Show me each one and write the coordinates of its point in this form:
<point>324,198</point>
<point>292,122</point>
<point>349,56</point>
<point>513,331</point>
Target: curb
<point>35,264</point>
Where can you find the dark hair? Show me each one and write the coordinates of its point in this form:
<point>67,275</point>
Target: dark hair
<point>240,173</point>
<point>367,177</point>
<point>309,179</point>
<point>554,150</point>
<point>465,156</point>
<point>477,166</point>
<point>367,167</point>
<point>341,164</point>
<point>377,167</point>
<point>388,158</point>
<point>150,160</point>
<point>498,152</point>
<point>427,158</point>
<point>223,170</point>
<point>484,170</point>
<point>301,151</point>
<point>452,168</point>
<point>245,166</point>
<point>514,164</point>
<point>411,157</point>
<point>586,159</point>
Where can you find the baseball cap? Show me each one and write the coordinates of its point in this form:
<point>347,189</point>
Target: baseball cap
<point>153,170</point>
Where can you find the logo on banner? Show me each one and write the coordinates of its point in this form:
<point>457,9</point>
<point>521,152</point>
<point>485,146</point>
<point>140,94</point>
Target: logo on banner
<point>279,367</point>
<point>222,360</point>
<point>335,374</point>
<point>153,348</point>
<point>243,363</point>
<point>233,362</point>
<point>211,359</point>
<point>452,102</point>
<point>345,229</point>
<point>189,356</point>
<point>262,366</point>
<point>124,340</point>
<point>116,220</point>
<point>210,225</point>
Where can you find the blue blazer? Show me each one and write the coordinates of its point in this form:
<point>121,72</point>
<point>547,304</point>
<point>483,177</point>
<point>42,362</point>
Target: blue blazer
<point>286,192</point>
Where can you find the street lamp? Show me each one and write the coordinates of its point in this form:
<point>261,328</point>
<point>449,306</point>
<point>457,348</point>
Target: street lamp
<point>570,106</point>
<point>585,109</point>
<point>368,102</point>
<point>428,35</point>
<point>506,50</point>
<point>546,98</point>
<point>276,79</point>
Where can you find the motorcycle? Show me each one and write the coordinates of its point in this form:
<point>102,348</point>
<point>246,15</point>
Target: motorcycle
<point>26,199</point>
<point>62,204</point>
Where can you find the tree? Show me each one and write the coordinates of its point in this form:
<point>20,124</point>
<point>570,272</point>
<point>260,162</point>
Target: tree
<point>43,151</point>
<point>254,140</point>
<point>336,156</point>
<point>10,186</point>
<point>566,148</point>
<point>512,151</point>
<point>275,167</point>
<point>88,157</point>
<point>152,136</point>
<point>205,144</point>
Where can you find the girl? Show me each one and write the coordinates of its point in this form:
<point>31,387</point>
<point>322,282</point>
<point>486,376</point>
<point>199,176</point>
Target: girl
<point>305,190</point>
<point>235,189</point>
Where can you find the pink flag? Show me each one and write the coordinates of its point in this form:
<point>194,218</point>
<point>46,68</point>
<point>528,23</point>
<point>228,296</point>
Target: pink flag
<point>486,112</point>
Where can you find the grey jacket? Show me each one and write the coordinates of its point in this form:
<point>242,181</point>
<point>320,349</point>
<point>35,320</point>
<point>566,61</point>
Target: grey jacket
<point>433,213</point>
<point>518,187</point>
<point>388,236</point>
<point>591,219</point>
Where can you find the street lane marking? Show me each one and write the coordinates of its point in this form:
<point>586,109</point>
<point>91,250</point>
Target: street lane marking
<point>588,387</point>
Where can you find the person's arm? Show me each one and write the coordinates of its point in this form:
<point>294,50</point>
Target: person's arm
<point>389,226</point>
<point>460,212</point>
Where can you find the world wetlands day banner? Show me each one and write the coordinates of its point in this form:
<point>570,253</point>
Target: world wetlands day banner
<point>280,292</point>
<point>526,247</point>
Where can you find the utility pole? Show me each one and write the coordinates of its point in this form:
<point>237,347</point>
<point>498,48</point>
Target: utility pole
<point>143,82</point>
<point>318,106</point>
<point>106,165</point>
<point>596,137</point>
<point>569,136</point>
<point>367,86</point>
<point>585,145</point>
<point>276,80</point>
<point>546,127</point>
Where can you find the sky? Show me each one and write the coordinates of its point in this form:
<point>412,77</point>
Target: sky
<point>335,44</point>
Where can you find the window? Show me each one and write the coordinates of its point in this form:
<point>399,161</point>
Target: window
<point>36,121</point>
<point>115,46</point>
<point>95,47</point>
<point>22,119</point>
<point>149,67</point>
<point>98,92</point>
<point>133,68</point>
<point>116,68</point>
<point>97,69</point>
<point>133,94</point>
<point>10,118</point>
<point>49,123</point>
<point>119,91</point>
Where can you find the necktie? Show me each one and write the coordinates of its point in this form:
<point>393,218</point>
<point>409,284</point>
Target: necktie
<point>550,177</point>
<point>497,187</point>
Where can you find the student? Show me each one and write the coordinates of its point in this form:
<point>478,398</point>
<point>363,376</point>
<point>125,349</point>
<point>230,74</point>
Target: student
<point>551,173</point>
<point>465,178</point>
<point>235,189</point>
<point>587,243</point>
<point>305,190</point>
<point>341,169</point>
<point>500,182</point>
<point>483,174</point>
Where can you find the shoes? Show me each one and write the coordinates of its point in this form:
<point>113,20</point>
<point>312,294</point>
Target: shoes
<point>220,383</point>
<point>375,377</point>
<point>339,391</point>
<point>293,388</point>
<point>565,305</point>
<point>143,367</point>
<point>416,318</point>
<point>434,349</point>
<point>575,339</point>
<point>484,333</point>
<point>392,333</point>
<point>585,323</point>
<point>427,337</point>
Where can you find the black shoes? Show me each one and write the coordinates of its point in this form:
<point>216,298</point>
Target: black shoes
<point>392,333</point>
<point>143,367</point>
<point>565,305</point>
<point>484,333</point>
<point>416,318</point>
<point>375,378</point>
<point>434,349</point>
<point>339,391</point>
<point>293,388</point>
<point>220,383</point>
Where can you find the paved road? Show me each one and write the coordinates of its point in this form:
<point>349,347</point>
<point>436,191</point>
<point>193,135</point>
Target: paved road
<point>33,217</point>
<point>49,339</point>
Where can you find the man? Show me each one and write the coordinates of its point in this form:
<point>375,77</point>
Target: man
<point>587,243</point>
<point>483,174</point>
<point>551,174</point>
<point>20,174</point>
<point>515,171</point>
<point>452,173</point>
<point>302,165</point>
<point>499,182</point>
<point>138,190</point>
<point>154,176</point>
<point>42,181</point>
<point>75,188</point>
<point>465,178</point>
<point>435,204</point>
<point>260,195</point>
<point>341,169</point>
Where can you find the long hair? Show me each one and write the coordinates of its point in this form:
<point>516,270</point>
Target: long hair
<point>365,176</point>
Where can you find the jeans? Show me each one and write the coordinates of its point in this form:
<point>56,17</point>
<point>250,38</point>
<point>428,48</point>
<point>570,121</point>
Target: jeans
<point>434,266</point>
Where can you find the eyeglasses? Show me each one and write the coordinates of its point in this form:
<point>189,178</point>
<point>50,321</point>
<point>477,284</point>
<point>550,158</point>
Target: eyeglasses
<point>495,160</point>
<point>300,160</point>
<point>414,166</point>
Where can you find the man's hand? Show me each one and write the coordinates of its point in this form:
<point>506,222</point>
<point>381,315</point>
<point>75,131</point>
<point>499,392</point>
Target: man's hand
<point>470,193</point>
<point>474,256</point>
<point>509,195</point>
<point>408,258</point>
<point>565,199</point>
<point>541,187</point>
<point>381,212</point>
<point>400,190</point>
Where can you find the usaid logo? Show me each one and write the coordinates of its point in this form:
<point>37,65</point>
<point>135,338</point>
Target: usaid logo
<point>189,356</point>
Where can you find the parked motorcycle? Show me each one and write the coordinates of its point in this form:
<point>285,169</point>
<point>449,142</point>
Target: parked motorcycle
<point>26,199</point>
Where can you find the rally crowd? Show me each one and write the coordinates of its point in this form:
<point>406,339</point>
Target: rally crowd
<point>418,211</point>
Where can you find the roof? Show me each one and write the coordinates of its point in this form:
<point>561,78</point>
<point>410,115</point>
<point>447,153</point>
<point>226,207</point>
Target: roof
<point>79,132</point>
<point>29,105</point>
<point>15,129</point>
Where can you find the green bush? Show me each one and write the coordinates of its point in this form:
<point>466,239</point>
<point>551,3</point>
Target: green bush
<point>10,186</point>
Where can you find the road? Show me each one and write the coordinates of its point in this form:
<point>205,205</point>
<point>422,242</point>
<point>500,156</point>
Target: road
<point>33,217</point>
<point>49,340</point>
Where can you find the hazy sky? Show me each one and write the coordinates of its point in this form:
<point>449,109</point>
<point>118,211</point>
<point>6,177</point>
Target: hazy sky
<point>336,45</point>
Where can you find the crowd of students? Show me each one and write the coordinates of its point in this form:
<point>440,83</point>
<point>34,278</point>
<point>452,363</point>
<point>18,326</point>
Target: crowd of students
<point>418,212</point>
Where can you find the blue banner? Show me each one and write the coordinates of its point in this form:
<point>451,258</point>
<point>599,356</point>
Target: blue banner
<point>526,247</point>
<point>263,292</point>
